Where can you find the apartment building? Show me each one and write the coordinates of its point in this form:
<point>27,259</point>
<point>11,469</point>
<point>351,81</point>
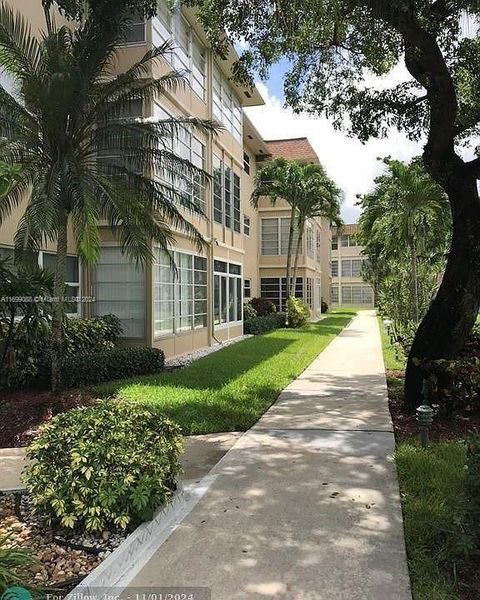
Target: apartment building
<point>245,251</point>
<point>348,287</point>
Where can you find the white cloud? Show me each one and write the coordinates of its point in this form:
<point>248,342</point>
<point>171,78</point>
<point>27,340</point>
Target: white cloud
<point>350,163</point>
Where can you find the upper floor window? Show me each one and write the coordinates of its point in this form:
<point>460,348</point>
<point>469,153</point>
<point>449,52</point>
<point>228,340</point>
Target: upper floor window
<point>349,241</point>
<point>334,242</point>
<point>188,54</point>
<point>226,107</point>
<point>246,163</point>
<point>310,243</point>
<point>275,233</point>
<point>334,268</point>
<point>246,225</point>
<point>136,33</point>
<point>319,246</point>
<point>226,195</point>
<point>352,267</point>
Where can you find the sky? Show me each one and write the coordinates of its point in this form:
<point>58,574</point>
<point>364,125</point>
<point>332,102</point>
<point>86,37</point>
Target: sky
<point>351,164</point>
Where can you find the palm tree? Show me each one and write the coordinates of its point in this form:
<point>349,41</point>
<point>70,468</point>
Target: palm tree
<point>408,210</point>
<point>318,197</point>
<point>83,158</point>
<point>280,179</point>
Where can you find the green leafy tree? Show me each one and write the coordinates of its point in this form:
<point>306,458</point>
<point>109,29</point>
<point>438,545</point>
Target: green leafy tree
<point>330,45</point>
<point>83,159</point>
<point>406,215</point>
<point>308,191</point>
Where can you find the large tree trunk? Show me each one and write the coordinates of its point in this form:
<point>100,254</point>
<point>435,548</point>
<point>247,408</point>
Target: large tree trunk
<point>289,254</point>
<point>413,255</point>
<point>58,304</point>
<point>298,249</point>
<point>452,314</point>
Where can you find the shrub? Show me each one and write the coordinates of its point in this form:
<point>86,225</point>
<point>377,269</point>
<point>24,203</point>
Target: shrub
<point>259,325</point>
<point>15,565</point>
<point>85,369</point>
<point>108,466</point>
<point>263,307</point>
<point>324,306</point>
<point>472,484</point>
<point>249,312</point>
<point>91,335</point>
<point>298,312</point>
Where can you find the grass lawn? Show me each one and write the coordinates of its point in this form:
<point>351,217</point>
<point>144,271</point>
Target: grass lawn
<point>230,389</point>
<point>431,483</point>
<point>392,356</point>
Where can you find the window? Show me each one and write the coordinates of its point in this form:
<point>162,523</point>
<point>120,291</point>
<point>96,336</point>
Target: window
<point>188,53</point>
<point>226,107</point>
<point>247,288</point>
<point>309,292</point>
<point>351,267</point>
<point>310,247</point>
<point>47,260</point>
<point>227,293</point>
<point>348,241</point>
<point>119,287</point>
<point>334,242</point>
<point>246,163</point>
<point>246,225</point>
<point>334,268</point>
<point>226,195</point>
<point>136,32</point>
<point>275,289</point>
<point>275,233</point>
<point>180,300</point>
<point>357,294</point>
<point>319,246</point>
<point>334,294</point>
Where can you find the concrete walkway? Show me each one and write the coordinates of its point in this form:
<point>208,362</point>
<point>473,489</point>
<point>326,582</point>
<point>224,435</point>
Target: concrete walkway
<point>305,506</point>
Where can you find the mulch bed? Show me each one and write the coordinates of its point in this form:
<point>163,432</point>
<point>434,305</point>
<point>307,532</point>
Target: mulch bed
<point>406,426</point>
<point>23,411</point>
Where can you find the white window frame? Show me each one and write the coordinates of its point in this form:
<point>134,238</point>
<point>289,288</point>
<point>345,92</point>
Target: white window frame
<point>246,225</point>
<point>239,285</point>
<point>282,247</point>
<point>226,106</point>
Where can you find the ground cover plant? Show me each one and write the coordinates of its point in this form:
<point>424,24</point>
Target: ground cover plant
<point>230,389</point>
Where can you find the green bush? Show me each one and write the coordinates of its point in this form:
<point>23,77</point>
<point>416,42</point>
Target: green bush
<point>108,466</point>
<point>119,363</point>
<point>263,307</point>
<point>15,565</point>
<point>259,325</point>
<point>298,312</point>
<point>472,484</point>
<point>324,306</point>
<point>91,335</point>
<point>249,312</point>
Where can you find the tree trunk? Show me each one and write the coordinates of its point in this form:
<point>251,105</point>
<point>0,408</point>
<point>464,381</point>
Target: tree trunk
<point>413,254</point>
<point>452,314</point>
<point>297,253</point>
<point>289,254</point>
<point>58,304</point>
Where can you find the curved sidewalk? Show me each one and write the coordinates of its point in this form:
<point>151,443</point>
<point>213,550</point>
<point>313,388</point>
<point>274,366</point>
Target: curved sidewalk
<point>306,505</point>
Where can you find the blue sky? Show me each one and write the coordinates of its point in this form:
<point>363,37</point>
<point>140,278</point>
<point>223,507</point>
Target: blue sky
<point>350,163</point>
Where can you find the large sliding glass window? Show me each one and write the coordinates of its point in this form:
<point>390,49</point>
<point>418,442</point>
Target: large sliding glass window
<point>226,107</point>
<point>180,298</point>
<point>228,295</point>
<point>119,287</point>
<point>274,237</point>
<point>275,289</point>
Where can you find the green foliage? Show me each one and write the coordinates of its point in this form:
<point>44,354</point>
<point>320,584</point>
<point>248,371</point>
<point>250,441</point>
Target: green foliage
<point>404,228</point>
<point>109,466</point>
<point>104,10</point>
<point>298,313</point>
<point>472,485</point>
<point>91,368</point>
<point>15,564</point>
<point>262,306</point>
<point>24,321</point>
<point>83,336</point>
<point>230,389</point>
<point>432,484</point>
<point>249,312</point>
<point>259,325</point>
<point>324,306</point>
<point>8,175</point>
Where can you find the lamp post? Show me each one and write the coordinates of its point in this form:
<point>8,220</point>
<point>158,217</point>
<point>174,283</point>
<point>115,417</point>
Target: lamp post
<point>425,415</point>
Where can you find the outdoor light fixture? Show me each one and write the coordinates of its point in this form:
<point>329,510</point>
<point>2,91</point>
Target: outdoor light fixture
<point>425,414</point>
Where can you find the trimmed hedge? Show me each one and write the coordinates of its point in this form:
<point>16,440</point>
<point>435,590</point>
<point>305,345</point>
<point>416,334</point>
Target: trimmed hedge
<point>259,325</point>
<point>263,306</point>
<point>108,466</point>
<point>119,363</point>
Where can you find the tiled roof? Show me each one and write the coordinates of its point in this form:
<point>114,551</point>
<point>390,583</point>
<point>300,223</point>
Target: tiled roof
<point>350,229</point>
<point>293,149</point>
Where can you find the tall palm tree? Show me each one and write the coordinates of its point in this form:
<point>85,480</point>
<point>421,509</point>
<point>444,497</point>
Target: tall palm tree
<point>280,179</point>
<point>83,159</point>
<point>407,209</point>
<point>318,197</point>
